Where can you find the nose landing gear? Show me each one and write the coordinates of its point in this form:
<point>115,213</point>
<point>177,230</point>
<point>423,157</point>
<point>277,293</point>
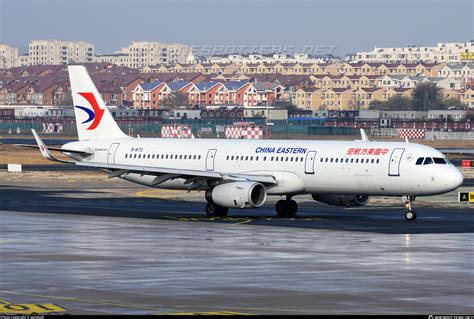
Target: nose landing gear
<point>410,214</point>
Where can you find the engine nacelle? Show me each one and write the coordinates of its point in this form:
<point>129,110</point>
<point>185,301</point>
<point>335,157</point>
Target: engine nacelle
<point>238,195</point>
<point>342,200</point>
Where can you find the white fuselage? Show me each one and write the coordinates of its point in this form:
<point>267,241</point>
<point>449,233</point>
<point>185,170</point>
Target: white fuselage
<point>300,167</point>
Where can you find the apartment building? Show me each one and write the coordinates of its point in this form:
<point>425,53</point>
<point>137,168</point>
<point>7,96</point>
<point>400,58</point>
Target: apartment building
<point>8,57</point>
<point>256,58</point>
<point>441,53</point>
<point>120,59</point>
<point>53,52</point>
<point>143,53</point>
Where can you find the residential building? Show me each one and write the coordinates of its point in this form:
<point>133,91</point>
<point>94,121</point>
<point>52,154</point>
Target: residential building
<point>442,53</point>
<point>53,52</point>
<point>143,53</point>
<point>120,59</point>
<point>8,57</point>
<point>150,95</point>
<point>302,98</point>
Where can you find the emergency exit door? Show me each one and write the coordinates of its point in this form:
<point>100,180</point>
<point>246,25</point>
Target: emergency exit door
<point>394,164</point>
<point>309,162</point>
<point>211,154</point>
<point>111,153</point>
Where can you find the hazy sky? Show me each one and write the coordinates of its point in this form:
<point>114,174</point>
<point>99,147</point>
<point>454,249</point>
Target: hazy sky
<point>349,25</point>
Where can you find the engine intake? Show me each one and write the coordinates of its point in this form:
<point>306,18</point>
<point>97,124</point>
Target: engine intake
<point>342,200</point>
<point>238,195</point>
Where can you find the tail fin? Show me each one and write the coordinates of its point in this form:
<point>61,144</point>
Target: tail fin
<point>93,119</point>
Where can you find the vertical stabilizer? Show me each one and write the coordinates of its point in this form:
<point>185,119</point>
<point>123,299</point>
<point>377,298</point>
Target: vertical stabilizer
<point>93,119</point>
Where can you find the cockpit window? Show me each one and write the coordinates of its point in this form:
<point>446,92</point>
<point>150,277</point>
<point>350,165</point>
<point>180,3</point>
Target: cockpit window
<point>427,161</point>
<point>419,161</point>
<point>439,160</point>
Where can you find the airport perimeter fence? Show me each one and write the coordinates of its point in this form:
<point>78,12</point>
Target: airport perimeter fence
<point>199,127</point>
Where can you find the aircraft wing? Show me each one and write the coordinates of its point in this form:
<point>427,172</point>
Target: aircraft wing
<point>163,174</point>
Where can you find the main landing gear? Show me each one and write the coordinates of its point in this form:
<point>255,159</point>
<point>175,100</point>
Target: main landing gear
<point>286,208</point>
<point>410,214</point>
<point>213,210</point>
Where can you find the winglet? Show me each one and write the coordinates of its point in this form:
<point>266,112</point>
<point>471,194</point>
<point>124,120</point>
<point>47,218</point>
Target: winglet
<point>363,135</point>
<point>44,150</point>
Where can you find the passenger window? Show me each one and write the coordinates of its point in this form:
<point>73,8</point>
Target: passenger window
<point>326,160</point>
<point>256,158</point>
<point>427,161</point>
<point>251,158</point>
<point>232,158</point>
<point>378,160</point>
<point>126,155</point>
<point>357,160</point>
<point>286,159</point>
<point>281,158</point>
<point>227,158</point>
<point>352,160</point>
<point>419,161</point>
<point>291,159</point>
<point>439,160</point>
<point>271,159</point>
<point>180,156</point>
<point>336,160</point>
<point>199,157</point>
<point>264,158</point>
<point>331,160</point>
<point>347,160</point>
<point>372,161</point>
<point>276,159</point>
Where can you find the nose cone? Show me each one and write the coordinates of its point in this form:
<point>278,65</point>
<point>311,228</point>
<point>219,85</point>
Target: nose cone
<point>454,179</point>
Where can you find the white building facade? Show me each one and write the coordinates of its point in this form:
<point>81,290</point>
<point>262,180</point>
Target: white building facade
<point>51,52</point>
<point>453,52</point>
<point>8,57</point>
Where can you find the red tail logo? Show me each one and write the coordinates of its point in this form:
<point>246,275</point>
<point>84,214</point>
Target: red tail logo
<point>96,114</point>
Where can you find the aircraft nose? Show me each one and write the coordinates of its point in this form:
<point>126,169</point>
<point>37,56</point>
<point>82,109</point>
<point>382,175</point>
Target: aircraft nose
<point>454,179</point>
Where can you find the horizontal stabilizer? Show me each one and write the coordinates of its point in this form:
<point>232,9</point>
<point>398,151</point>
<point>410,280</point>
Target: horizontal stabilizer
<point>45,151</point>
<point>58,149</point>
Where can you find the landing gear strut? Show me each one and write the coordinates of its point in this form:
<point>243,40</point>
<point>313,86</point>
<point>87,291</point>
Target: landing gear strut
<point>410,214</point>
<point>286,208</point>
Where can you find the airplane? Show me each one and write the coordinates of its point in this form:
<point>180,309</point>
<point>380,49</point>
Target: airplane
<point>242,173</point>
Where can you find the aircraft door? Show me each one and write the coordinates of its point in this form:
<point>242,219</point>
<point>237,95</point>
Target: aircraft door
<point>111,153</point>
<point>211,154</point>
<point>394,164</point>
<point>309,162</point>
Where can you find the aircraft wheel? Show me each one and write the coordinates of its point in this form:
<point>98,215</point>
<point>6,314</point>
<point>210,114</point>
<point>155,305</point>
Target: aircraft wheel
<point>213,210</point>
<point>286,208</point>
<point>292,207</point>
<point>410,215</point>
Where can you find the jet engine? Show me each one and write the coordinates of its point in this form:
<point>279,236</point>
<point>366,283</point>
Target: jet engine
<point>342,200</point>
<point>238,195</point>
